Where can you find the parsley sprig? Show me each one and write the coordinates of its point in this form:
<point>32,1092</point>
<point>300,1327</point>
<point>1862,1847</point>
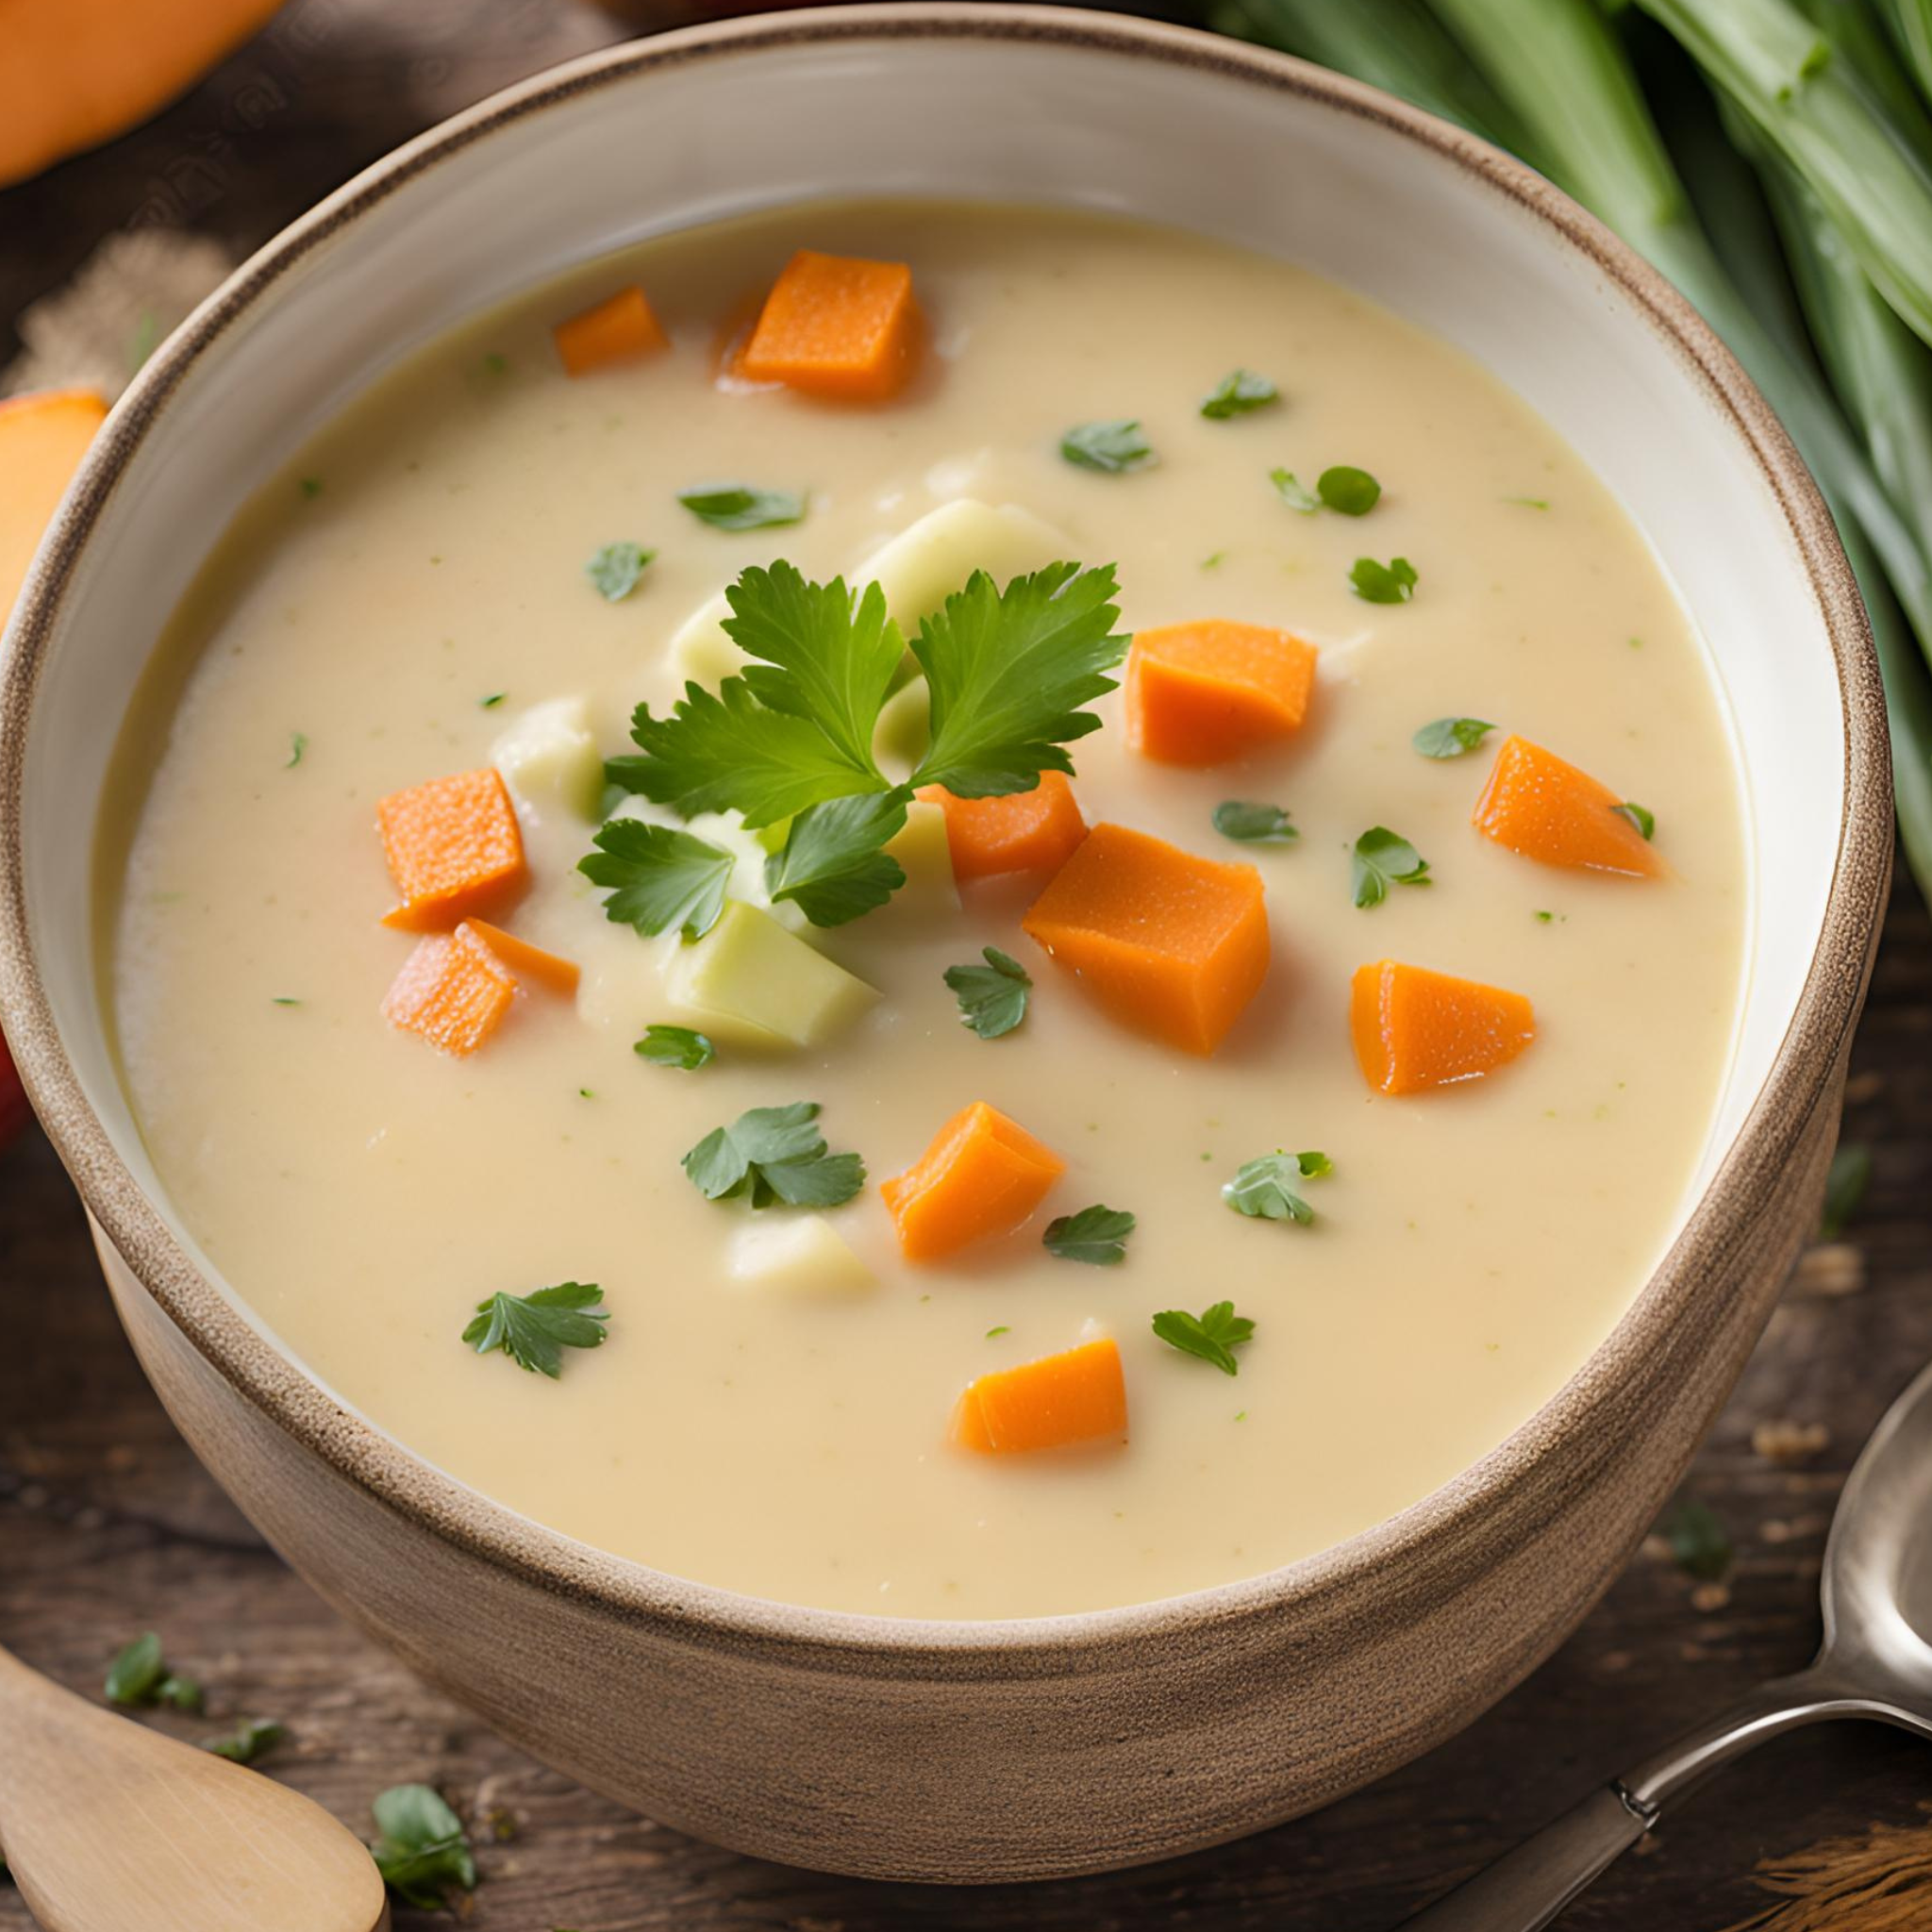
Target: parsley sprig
<point>1269,1188</point>
<point>1213,1335</point>
<point>534,1329</point>
<point>773,1153</point>
<point>1382,858</point>
<point>422,1851</point>
<point>992,998</point>
<point>658,877</point>
<point>1097,1235</point>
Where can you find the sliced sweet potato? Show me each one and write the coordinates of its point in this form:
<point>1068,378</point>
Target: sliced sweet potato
<point>1078,1395</point>
<point>1172,946</point>
<point>982,1175</point>
<point>836,325</point>
<point>1415,1029</point>
<point>43,438</point>
<point>453,990</point>
<point>1201,694</point>
<point>454,848</point>
<point>1024,831</point>
<point>621,329</point>
<point>1548,810</point>
<point>531,965</point>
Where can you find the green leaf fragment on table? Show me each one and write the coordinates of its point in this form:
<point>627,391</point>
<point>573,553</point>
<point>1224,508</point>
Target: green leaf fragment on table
<point>1450,737</point>
<point>1393,582</point>
<point>180,1693</point>
<point>253,1738</point>
<point>739,507</point>
<point>1700,1545</point>
<point>1112,447</point>
<point>1348,491</point>
<point>992,997</point>
<point>1644,821</point>
<point>676,1046</point>
<point>1238,393</point>
<point>137,1672</point>
<point>1844,1187</point>
<point>1293,493</point>
<point>658,877</point>
<point>1251,822</point>
<point>614,570</point>
<point>1269,1187</point>
<point>773,1153</point>
<point>534,1329</point>
<point>422,1851</point>
<point>1381,859</point>
<point>1096,1235</point>
<point>1213,1336</point>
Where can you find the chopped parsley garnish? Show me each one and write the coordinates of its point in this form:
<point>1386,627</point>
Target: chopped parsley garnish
<point>1383,583</point>
<point>1383,858</point>
<point>1543,918</point>
<point>1844,1187</point>
<point>1213,1335</point>
<point>616,568</point>
<point>1114,447</point>
<point>1269,1188</point>
<point>489,700</point>
<point>676,1046</point>
<point>658,877</point>
<point>992,998</point>
<point>253,1738</point>
<point>1449,738</point>
<point>1644,821</point>
<point>1530,502</point>
<point>738,507</point>
<point>1699,1542</point>
<point>311,487</point>
<point>283,999</point>
<point>496,363</point>
<point>534,1329</point>
<point>1098,1235</point>
<point>1293,493</point>
<point>298,744</point>
<point>422,1851</point>
<point>1005,1329</point>
<point>1237,395</point>
<point>1253,823</point>
<point>773,1153</point>
<point>1347,491</point>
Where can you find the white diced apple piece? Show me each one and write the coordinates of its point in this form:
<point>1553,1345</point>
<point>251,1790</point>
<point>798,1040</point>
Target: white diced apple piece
<point>700,653</point>
<point>797,1255</point>
<point>921,848</point>
<point>750,978</point>
<point>905,727</point>
<point>549,758</point>
<point>922,566</point>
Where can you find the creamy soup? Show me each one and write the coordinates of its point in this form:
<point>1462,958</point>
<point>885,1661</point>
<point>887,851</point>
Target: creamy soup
<point>776,1406</point>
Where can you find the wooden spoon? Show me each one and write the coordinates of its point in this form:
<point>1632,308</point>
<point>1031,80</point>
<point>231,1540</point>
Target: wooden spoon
<point>110,1827</point>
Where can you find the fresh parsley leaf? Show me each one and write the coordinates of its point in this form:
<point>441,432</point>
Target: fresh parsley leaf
<point>179,1693</point>
<point>1449,738</point>
<point>1844,1187</point>
<point>1098,1235</point>
<point>992,998</point>
<point>1644,821</point>
<point>1698,1541</point>
<point>1238,393</point>
<point>658,877</point>
<point>298,744</point>
<point>136,1674</point>
<point>831,863</point>
<point>738,507</point>
<point>774,1153</point>
<point>422,1851</point>
<point>534,1329</point>
<point>1269,1188</point>
<point>616,568</point>
<point>1213,1335</point>
<point>1114,447</point>
<point>1383,858</point>
<point>1383,583</point>
<point>676,1046</point>
<point>253,1738</point>
<point>1350,492</point>
<point>1253,823</point>
<point>1293,493</point>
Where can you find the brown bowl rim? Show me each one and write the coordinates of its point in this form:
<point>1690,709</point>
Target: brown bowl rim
<point>271,1382</point>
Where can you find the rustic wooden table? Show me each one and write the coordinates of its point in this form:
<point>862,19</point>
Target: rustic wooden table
<point>108,1527</point>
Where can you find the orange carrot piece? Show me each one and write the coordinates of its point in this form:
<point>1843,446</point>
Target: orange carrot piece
<point>453,846</point>
<point>620,329</point>
<point>1024,831</point>
<point>43,435</point>
<point>1200,693</point>
<point>1548,810</point>
<point>528,962</point>
<point>1078,1395</point>
<point>982,1175</point>
<point>1172,946</point>
<point>453,990</point>
<point>837,326</point>
<point>1415,1029</point>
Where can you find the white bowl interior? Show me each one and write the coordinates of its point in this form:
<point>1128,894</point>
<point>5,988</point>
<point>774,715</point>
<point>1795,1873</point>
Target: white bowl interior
<point>665,147</point>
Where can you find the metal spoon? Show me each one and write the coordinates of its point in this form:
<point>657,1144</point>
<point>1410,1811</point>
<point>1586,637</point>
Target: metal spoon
<point>1876,1662</point>
<point>108,1826</point>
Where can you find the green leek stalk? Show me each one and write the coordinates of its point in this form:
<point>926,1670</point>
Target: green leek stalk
<point>1910,21</point>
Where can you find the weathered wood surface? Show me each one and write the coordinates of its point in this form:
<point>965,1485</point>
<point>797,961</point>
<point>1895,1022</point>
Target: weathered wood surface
<point>109,1526</point>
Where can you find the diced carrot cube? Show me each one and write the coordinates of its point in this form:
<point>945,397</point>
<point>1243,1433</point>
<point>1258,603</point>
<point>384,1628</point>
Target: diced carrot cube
<point>1200,693</point>
<point>836,325</point>
<point>453,846</point>
<point>982,1175</point>
<point>1548,810</point>
<point>1172,946</point>
<point>43,435</point>
<point>528,962</point>
<point>1078,1395</point>
<point>1416,1029</point>
<point>620,329</point>
<point>453,990</point>
<point>1023,831</point>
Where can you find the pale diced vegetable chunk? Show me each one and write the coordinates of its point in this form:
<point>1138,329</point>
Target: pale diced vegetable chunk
<point>700,653</point>
<point>922,566</point>
<point>801,1255</point>
<point>905,727</point>
<point>749,978</point>
<point>922,849</point>
<point>549,760</point>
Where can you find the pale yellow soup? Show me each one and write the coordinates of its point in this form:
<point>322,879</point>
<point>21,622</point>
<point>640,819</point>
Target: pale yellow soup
<point>361,1192</point>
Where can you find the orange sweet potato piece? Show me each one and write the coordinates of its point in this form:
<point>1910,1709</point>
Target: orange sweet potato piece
<point>836,325</point>
<point>43,438</point>
<point>528,962</point>
<point>1024,831</point>
<point>1548,810</point>
<point>1415,1029</point>
<point>1173,945</point>
<point>453,846</point>
<point>1078,1395</point>
<point>619,329</point>
<point>453,990</point>
<point>982,1175</point>
<point>1200,693</point>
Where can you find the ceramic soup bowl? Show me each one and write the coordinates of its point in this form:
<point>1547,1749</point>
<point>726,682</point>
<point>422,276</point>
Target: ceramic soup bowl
<point>1017,1749</point>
